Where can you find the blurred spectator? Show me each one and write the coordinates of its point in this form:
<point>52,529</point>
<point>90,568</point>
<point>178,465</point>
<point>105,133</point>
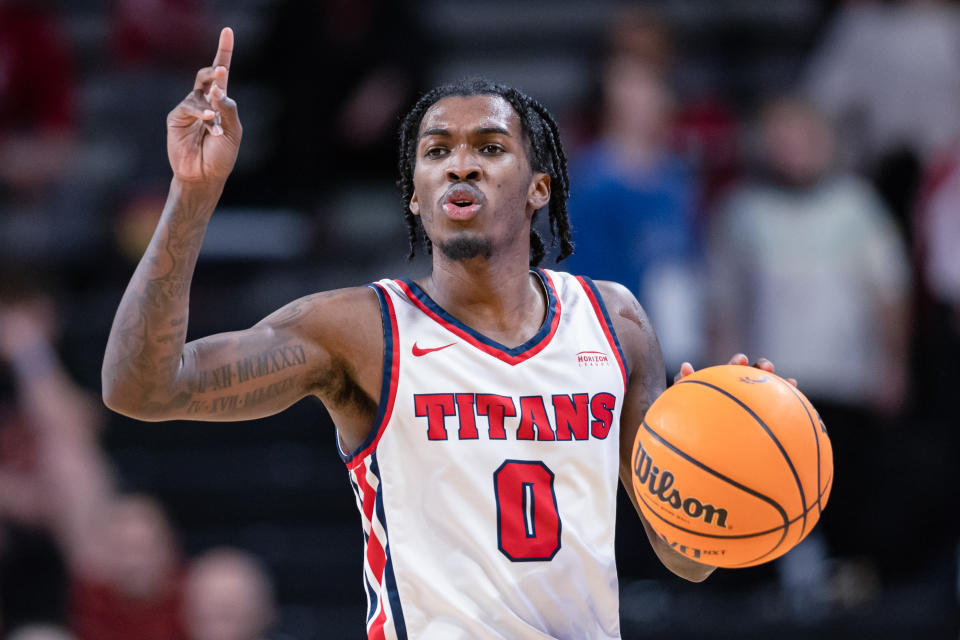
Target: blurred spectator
<point>131,583</point>
<point>229,596</point>
<point>875,61</point>
<point>32,572</point>
<point>940,233</point>
<point>36,100</point>
<point>632,202</point>
<point>36,130</point>
<point>808,270</point>
<point>938,305</point>
<point>341,71</point>
<point>887,73</point>
<point>157,33</point>
<point>707,136</point>
<point>124,570</point>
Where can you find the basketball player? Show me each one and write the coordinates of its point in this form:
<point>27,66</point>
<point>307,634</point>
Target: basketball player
<point>483,412</point>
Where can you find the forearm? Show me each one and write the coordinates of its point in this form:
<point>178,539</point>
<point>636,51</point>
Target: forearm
<point>145,346</point>
<point>675,561</point>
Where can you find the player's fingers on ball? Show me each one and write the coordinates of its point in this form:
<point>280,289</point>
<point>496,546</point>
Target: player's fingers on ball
<point>792,381</point>
<point>685,369</point>
<point>763,363</point>
<point>739,358</point>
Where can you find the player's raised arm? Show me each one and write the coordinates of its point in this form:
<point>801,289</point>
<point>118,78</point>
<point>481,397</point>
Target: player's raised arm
<point>148,372</point>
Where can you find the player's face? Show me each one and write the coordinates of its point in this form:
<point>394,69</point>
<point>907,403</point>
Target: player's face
<point>474,188</point>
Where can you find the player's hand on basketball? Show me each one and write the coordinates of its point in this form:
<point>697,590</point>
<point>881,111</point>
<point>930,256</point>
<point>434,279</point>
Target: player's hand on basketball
<point>203,131</point>
<point>762,363</point>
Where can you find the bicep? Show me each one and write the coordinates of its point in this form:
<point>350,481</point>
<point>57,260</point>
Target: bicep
<point>249,374</point>
<point>243,374</point>
<point>292,353</point>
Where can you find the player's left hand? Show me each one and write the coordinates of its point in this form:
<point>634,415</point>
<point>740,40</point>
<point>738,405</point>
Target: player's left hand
<point>762,363</point>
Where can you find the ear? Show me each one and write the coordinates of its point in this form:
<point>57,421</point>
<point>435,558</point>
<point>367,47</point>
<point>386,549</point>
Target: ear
<point>539,194</point>
<point>415,204</point>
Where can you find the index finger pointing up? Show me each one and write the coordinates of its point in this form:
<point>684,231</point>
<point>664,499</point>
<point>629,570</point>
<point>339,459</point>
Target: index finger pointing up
<point>222,59</point>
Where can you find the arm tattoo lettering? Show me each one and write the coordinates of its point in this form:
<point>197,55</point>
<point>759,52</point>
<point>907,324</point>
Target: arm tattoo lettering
<point>226,404</point>
<point>262,364</point>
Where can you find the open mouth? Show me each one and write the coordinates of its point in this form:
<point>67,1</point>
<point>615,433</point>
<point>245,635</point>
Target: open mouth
<point>462,201</point>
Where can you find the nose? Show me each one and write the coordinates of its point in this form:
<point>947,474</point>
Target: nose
<point>463,165</point>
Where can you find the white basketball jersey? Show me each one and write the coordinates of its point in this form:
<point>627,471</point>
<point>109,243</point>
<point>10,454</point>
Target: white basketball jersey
<point>487,487</point>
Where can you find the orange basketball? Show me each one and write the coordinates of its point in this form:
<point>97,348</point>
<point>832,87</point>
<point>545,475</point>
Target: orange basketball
<point>732,466</point>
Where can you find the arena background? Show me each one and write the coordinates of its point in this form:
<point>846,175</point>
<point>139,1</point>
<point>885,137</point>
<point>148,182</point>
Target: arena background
<point>312,205</point>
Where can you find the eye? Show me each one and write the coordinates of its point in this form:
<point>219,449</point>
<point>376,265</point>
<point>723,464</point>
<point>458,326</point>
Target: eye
<point>434,152</point>
<point>491,148</point>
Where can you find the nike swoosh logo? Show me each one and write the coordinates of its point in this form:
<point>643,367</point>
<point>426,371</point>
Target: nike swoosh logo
<point>417,351</point>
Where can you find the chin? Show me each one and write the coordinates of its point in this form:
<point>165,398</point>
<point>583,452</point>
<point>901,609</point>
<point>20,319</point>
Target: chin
<point>465,247</point>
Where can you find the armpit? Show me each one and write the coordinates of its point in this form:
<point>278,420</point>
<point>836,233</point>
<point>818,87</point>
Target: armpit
<point>339,389</point>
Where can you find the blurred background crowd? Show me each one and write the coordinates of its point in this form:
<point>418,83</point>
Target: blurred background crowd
<point>779,177</point>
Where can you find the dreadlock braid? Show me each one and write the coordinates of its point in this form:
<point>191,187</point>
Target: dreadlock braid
<point>559,221</point>
<point>546,156</point>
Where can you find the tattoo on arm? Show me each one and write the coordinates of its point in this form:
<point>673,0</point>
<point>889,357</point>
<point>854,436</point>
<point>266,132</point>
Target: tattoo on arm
<point>144,351</point>
<point>262,364</point>
<point>248,400</point>
<point>294,312</point>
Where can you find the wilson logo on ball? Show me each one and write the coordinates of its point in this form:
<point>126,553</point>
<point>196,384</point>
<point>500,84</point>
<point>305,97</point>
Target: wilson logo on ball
<point>659,482</point>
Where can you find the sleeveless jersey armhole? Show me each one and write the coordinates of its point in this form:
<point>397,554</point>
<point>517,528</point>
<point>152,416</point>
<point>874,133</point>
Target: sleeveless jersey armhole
<point>388,383</point>
<point>600,309</point>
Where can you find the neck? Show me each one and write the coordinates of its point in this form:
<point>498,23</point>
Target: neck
<point>496,296</point>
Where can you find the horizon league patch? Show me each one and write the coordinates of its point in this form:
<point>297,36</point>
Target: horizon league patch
<point>592,359</point>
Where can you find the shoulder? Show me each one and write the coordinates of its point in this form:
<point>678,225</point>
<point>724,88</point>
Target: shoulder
<point>325,307</point>
<point>639,343</point>
<point>614,296</point>
<point>622,305</point>
<point>341,320</point>
<point>629,320</point>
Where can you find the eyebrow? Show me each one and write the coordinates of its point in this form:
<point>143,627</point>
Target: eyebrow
<point>488,130</point>
<point>480,130</point>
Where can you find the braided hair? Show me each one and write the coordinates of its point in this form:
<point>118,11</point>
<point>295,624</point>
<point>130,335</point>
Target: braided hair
<point>546,156</point>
